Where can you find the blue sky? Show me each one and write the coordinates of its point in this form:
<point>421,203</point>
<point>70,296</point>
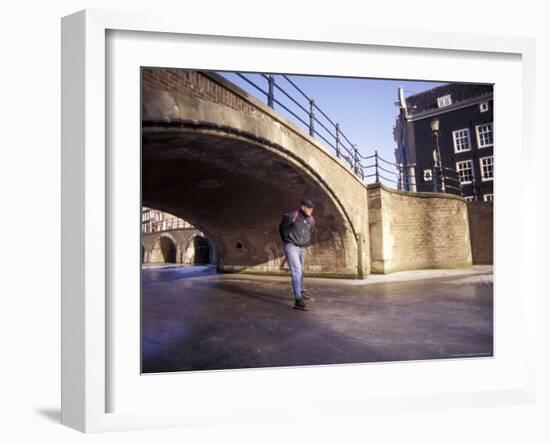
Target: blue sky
<point>364,108</point>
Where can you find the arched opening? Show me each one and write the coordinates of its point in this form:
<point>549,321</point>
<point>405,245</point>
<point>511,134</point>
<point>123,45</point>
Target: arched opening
<point>164,251</point>
<point>202,250</point>
<point>198,251</point>
<point>236,191</point>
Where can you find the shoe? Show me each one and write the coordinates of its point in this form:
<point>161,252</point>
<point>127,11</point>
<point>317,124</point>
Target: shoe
<point>306,297</point>
<point>300,305</point>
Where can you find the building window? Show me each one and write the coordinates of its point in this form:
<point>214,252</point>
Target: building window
<point>465,171</point>
<point>486,166</point>
<point>461,139</point>
<point>469,198</point>
<point>484,135</point>
<point>427,174</point>
<point>488,197</point>
<point>444,101</point>
<point>484,107</point>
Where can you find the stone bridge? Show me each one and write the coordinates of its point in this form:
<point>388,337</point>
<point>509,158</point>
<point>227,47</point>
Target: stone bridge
<point>217,157</point>
<point>181,246</point>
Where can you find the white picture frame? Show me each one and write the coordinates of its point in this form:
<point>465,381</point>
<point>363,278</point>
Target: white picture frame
<point>85,217</point>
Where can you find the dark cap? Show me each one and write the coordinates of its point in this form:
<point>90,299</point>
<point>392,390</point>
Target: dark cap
<point>308,203</point>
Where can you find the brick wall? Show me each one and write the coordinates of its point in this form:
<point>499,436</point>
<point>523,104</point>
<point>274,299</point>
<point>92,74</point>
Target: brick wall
<point>195,84</point>
<point>480,217</point>
<point>417,230</point>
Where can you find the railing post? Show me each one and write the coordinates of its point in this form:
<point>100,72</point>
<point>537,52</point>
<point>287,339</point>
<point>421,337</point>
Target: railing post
<point>337,140</point>
<point>311,118</point>
<point>270,82</point>
<point>376,166</point>
<point>440,161</point>
<point>434,175</point>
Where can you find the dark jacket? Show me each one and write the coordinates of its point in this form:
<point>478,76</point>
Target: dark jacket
<point>297,228</point>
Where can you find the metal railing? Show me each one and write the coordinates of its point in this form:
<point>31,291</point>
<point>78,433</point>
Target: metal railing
<point>422,178</point>
<point>152,226</point>
<point>310,115</point>
<point>409,177</point>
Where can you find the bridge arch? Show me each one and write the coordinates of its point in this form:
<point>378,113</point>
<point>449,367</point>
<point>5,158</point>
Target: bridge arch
<point>197,250</point>
<point>233,173</point>
<point>164,249</point>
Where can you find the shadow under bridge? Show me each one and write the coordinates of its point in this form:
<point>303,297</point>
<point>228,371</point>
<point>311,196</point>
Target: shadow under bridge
<point>234,170</point>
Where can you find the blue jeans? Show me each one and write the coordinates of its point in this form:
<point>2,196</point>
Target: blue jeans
<point>295,258</point>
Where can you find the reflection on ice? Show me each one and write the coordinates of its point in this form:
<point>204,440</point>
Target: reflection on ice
<point>151,274</point>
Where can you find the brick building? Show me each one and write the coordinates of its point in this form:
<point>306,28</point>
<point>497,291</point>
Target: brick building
<point>457,120</point>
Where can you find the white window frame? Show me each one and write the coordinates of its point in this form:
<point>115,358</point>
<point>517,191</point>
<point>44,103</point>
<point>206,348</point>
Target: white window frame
<point>484,107</point>
<point>479,138</point>
<point>427,175</point>
<point>488,197</point>
<point>444,101</point>
<point>458,171</point>
<point>467,137</point>
<point>483,178</point>
<point>469,198</point>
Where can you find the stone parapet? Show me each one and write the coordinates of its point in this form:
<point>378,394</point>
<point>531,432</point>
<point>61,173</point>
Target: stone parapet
<point>414,230</point>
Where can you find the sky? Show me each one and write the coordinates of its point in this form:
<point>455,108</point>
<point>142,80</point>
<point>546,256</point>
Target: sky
<point>364,108</point>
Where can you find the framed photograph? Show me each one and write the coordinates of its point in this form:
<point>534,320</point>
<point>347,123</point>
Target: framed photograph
<point>200,160</point>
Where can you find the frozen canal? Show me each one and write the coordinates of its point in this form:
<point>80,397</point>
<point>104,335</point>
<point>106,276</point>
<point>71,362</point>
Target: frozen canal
<point>195,319</point>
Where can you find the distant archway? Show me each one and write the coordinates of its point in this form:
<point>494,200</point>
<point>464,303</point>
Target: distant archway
<point>197,251</point>
<point>164,250</point>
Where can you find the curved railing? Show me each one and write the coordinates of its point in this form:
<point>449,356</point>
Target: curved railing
<point>408,177</point>
<point>318,123</point>
<point>416,177</point>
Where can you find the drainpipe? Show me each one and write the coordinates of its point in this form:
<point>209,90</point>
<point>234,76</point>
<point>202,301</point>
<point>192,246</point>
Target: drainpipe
<point>401,143</point>
<point>402,101</point>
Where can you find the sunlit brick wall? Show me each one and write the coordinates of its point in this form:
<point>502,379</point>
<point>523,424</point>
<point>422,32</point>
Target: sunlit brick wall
<point>417,230</point>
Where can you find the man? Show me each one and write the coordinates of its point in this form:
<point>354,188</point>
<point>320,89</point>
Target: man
<point>296,229</point>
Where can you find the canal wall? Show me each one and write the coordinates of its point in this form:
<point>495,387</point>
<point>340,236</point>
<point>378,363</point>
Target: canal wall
<point>417,230</point>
